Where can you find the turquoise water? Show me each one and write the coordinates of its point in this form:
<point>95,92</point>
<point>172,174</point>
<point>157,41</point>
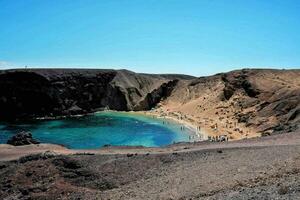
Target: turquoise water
<point>97,130</point>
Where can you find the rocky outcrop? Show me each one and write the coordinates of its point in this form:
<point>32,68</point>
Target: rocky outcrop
<point>267,100</point>
<point>32,93</point>
<point>22,138</point>
<point>271,96</point>
<point>154,97</point>
<point>238,80</point>
<point>241,103</point>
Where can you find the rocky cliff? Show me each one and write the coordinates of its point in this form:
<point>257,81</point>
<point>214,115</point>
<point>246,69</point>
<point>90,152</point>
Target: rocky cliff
<point>53,92</point>
<point>242,103</point>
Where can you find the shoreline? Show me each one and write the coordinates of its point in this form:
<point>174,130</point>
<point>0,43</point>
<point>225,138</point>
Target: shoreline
<point>189,135</point>
<point>9,152</point>
<point>196,132</point>
<point>211,128</point>
<point>204,133</point>
<point>201,135</point>
<point>192,128</point>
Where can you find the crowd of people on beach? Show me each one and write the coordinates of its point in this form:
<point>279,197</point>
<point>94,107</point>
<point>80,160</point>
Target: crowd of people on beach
<point>198,136</point>
<point>218,138</point>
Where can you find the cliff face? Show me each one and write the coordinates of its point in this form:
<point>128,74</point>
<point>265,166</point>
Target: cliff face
<point>53,92</point>
<point>271,98</point>
<point>242,103</point>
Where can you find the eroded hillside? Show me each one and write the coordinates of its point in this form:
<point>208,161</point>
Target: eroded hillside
<point>54,92</point>
<point>240,104</point>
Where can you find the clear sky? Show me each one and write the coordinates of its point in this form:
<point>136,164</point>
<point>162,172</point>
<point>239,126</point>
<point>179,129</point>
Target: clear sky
<point>197,37</point>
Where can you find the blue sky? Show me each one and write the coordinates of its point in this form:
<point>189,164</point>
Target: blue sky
<point>198,37</point>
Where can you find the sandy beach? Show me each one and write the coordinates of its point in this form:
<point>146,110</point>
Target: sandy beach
<point>194,131</point>
<point>208,124</point>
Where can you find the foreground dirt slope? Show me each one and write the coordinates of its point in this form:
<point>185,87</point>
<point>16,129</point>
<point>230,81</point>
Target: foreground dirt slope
<point>266,172</point>
<point>240,104</point>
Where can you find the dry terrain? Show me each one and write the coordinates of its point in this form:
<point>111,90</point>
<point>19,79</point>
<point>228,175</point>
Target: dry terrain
<point>239,104</point>
<point>243,105</point>
<point>265,168</point>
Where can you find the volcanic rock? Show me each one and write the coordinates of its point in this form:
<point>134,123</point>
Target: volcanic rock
<point>22,138</point>
<point>32,93</point>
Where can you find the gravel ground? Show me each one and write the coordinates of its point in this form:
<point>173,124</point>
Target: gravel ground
<point>270,172</point>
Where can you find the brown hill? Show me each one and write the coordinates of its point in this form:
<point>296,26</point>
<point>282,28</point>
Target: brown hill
<point>242,103</point>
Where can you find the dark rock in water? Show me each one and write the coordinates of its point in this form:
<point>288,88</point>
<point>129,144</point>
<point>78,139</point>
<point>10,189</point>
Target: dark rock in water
<point>22,138</point>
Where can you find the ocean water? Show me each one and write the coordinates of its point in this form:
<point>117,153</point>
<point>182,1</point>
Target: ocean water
<point>99,129</point>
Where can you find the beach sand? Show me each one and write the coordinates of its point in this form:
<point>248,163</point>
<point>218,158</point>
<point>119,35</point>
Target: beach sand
<point>212,116</point>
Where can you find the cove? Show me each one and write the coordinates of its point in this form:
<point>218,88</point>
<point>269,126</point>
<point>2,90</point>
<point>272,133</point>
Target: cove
<point>99,129</point>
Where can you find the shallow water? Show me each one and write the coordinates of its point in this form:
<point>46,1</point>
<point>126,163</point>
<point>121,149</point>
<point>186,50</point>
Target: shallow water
<point>104,128</point>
